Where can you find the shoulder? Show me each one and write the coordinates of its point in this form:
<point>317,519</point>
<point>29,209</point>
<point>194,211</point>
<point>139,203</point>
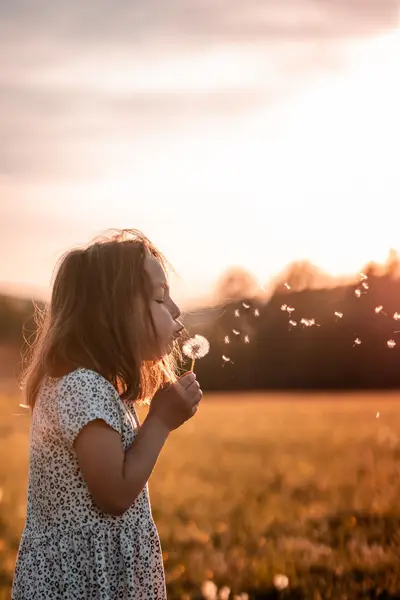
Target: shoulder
<point>85,381</point>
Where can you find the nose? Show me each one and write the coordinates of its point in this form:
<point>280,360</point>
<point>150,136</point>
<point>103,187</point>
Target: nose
<point>176,313</point>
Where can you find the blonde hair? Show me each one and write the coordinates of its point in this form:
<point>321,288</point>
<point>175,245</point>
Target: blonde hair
<point>99,318</point>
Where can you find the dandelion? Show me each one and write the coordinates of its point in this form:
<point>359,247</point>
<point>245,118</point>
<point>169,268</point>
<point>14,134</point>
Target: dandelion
<point>246,339</point>
<point>237,313</point>
<point>235,331</point>
<point>256,312</point>
<point>281,582</point>
<point>396,316</point>
<point>224,593</point>
<point>357,342</point>
<point>209,590</point>
<point>227,340</point>
<point>339,315</point>
<point>196,347</point>
<point>245,305</point>
<point>390,343</point>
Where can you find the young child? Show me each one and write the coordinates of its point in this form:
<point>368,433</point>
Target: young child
<point>107,340</point>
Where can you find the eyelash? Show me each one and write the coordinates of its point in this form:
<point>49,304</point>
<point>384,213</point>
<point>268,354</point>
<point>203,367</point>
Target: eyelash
<point>160,301</point>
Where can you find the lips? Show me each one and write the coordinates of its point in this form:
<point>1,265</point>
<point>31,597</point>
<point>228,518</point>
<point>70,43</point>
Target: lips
<point>178,333</point>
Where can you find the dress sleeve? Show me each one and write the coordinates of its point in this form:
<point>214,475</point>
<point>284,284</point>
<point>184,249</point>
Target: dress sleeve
<point>85,396</point>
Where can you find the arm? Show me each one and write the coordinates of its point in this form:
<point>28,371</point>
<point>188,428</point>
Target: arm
<point>115,478</point>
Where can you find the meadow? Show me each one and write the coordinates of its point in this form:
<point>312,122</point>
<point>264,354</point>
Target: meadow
<point>274,496</point>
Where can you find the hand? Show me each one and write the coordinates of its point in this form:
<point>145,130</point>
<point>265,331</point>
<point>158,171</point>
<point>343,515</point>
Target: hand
<point>177,402</point>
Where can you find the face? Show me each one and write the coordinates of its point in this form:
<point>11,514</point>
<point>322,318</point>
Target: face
<point>164,311</point>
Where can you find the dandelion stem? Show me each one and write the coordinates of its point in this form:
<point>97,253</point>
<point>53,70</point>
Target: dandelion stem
<point>192,365</point>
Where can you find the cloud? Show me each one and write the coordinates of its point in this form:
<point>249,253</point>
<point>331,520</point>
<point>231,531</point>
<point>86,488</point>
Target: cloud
<point>75,76</point>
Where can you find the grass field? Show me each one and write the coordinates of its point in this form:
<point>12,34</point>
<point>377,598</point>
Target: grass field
<point>260,492</point>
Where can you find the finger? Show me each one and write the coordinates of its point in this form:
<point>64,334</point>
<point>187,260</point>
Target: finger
<point>187,380</point>
<point>197,398</point>
<point>192,389</point>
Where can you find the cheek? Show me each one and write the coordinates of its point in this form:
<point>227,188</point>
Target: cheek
<point>163,321</point>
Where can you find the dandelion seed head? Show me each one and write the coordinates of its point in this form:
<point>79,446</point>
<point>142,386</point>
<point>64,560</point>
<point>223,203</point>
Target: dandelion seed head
<point>209,590</point>
<point>196,347</point>
<point>224,593</point>
<point>281,582</point>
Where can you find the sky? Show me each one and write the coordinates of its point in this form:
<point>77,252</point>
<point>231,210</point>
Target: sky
<point>232,133</point>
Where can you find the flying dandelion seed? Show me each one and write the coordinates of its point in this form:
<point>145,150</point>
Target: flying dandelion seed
<point>227,340</point>
<point>377,415</point>
<point>290,309</point>
<point>245,305</point>
<point>196,347</point>
<point>358,293</point>
<point>235,331</point>
<point>287,286</point>
<point>246,339</point>
<point>390,343</point>
<point>357,342</point>
<point>365,285</point>
<point>378,309</point>
<point>226,359</point>
<point>308,322</point>
<point>292,323</point>
<point>237,313</point>
<point>284,307</point>
<point>396,316</point>
<point>362,276</point>
<point>339,315</point>
<point>256,312</point>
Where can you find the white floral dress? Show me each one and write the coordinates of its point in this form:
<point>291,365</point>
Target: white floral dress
<point>70,549</point>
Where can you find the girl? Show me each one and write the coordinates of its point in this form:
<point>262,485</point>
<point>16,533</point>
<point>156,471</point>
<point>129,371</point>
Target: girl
<point>107,341</point>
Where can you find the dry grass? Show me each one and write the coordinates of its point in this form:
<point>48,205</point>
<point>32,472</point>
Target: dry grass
<point>257,486</point>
